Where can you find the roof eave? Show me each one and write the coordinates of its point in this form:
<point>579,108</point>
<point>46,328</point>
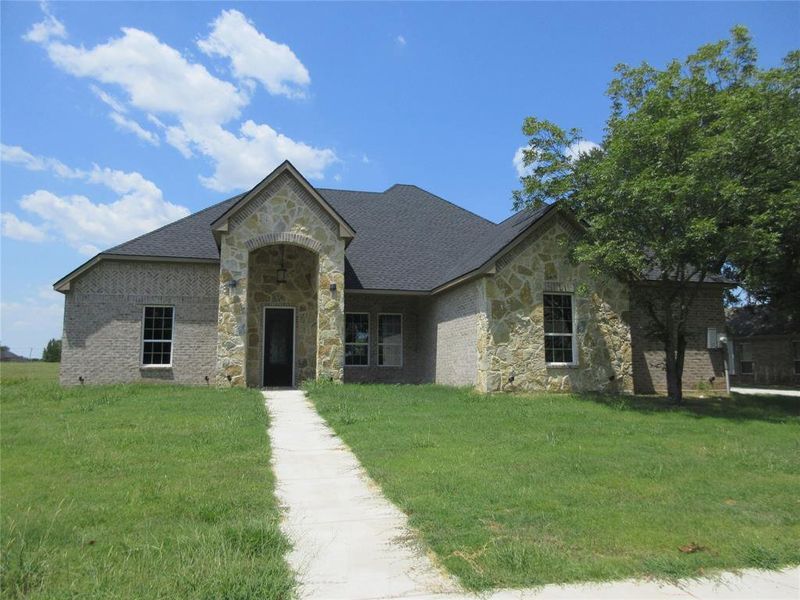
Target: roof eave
<point>488,266</point>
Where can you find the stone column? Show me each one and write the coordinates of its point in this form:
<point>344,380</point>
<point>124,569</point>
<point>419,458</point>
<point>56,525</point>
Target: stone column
<point>232,318</point>
<point>330,315</point>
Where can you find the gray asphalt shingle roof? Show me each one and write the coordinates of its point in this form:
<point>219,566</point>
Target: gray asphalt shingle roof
<point>406,238</point>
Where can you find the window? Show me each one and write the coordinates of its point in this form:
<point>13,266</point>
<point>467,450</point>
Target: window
<point>746,359</point>
<point>356,340</point>
<point>390,340</point>
<point>157,336</point>
<point>559,329</point>
<point>796,346</point>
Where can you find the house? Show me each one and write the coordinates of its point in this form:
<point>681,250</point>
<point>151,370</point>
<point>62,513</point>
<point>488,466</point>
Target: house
<point>766,347</point>
<point>288,282</point>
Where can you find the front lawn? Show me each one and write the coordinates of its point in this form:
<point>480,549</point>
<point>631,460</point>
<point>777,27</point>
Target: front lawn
<point>137,491</point>
<point>525,490</point>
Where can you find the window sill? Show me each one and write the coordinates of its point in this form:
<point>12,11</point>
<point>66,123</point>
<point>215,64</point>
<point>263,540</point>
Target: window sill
<point>155,367</point>
<point>561,365</point>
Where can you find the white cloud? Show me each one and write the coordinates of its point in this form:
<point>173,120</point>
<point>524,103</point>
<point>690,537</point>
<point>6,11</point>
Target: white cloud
<point>256,152</point>
<point>19,156</point>
<point>14,228</point>
<point>572,152</point>
<point>400,40</point>
<point>115,104</point>
<point>519,162</point>
<point>156,76</point>
<point>132,126</point>
<point>193,106</point>
<point>255,56</point>
<point>579,148</point>
<point>47,29</point>
<point>365,159</point>
<point>84,224</point>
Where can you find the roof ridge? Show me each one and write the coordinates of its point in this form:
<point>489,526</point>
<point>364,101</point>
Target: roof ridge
<point>445,200</point>
<point>327,189</point>
<point>189,216</point>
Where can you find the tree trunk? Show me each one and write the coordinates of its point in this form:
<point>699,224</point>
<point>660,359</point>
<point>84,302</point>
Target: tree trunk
<point>674,368</point>
<point>675,351</point>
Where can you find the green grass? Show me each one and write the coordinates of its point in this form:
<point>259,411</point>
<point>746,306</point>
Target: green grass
<point>140,491</point>
<point>527,490</point>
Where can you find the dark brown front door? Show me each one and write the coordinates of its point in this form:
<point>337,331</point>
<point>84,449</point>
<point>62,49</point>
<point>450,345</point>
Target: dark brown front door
<point>278,347</point>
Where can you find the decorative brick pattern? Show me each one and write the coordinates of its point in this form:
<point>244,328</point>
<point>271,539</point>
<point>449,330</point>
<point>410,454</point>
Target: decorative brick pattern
<point>103,322</point>
<point>295,239</point>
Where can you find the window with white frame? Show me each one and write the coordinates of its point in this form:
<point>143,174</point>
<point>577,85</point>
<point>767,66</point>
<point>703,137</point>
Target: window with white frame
<point>157,331</point>
<point>356,339</point>
<point>390,340</point>
<point>796,346</point>
<point>559,329</point>
<point>746,359</point>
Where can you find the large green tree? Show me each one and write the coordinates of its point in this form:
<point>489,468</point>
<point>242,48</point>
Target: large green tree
<point>52,351</point>
<point>697,175</point>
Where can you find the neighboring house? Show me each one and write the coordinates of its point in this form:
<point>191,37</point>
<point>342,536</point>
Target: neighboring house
<point>766,346</point>
<point>288,282</point>
<point>6,355</point>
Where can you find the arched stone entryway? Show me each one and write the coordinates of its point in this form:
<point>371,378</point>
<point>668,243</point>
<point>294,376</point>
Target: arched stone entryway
<point>298,292</point>
<point>282,211</point>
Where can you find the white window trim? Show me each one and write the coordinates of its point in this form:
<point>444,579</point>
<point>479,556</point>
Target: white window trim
<point>142,364</point>
<point>401,344</point>
<point>368,343</point>
<point>574,334</point>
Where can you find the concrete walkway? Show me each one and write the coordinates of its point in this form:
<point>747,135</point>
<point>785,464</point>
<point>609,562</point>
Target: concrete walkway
<point>351,543</point>
<point>765,392</point>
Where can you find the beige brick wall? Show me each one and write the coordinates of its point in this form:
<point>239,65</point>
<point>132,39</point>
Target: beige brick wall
<point>414,349</point>
<point>452,336</point>
<point>103,321</point>
<point>700,364</point>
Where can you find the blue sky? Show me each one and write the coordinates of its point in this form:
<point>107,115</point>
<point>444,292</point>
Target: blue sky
<point>119,117</point>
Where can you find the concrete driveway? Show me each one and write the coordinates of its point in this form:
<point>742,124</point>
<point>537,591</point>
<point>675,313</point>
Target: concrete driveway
<point>351,543</point>
<point>765,392</point>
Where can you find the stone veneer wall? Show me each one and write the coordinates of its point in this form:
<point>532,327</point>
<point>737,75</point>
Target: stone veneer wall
<point>511,331</point>
<point>103,312</point>
<point>299,292</point>
<point>452,335</point>
<point>700,364</point>
<point>414,350</point>
<point>283,212</point>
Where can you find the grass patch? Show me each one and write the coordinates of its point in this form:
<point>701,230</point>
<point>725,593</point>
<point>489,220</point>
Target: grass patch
<point>523,490</point>
<point>135,491</point>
